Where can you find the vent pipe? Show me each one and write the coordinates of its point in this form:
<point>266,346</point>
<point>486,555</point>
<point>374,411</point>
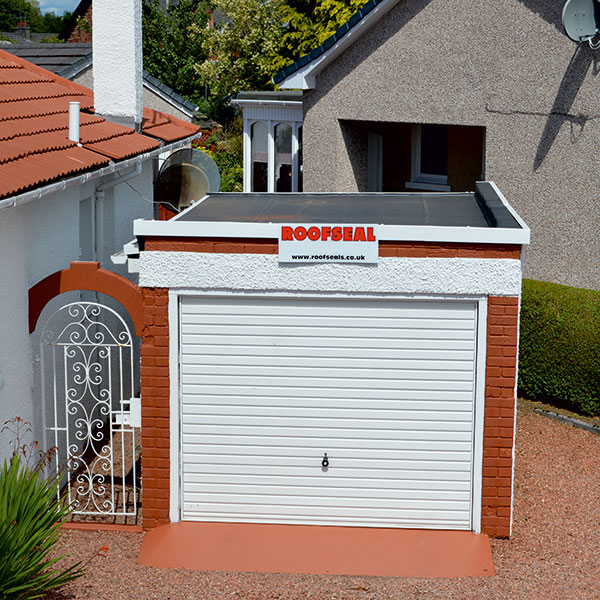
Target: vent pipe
<point>74,121</point>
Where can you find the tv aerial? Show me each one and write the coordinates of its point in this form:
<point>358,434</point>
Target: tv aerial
<point>185,177</point>
<point>581,20</point>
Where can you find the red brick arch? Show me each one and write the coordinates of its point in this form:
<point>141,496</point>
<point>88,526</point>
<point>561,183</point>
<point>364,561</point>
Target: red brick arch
<point>86,276</point>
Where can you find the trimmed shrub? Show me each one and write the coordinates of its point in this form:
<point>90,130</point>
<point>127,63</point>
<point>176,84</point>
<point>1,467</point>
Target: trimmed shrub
<point>30,515</point>
<point>559,354</point>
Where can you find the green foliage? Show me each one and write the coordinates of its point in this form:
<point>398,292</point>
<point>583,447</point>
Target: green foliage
<point>559,357</point>
<point>30,516</point>
<point>228,155</point>
<point>53,23</point>
<point>14,11</point>
<point>83,24</point>
<point>52,39</point>
<point>241,52</point>
<point>170,49</point>
<point>310,22</point>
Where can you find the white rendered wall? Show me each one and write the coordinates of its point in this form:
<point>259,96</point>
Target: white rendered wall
<point>15,354</point>
<point>117,47</point>
<point>36,240</point>
<point>262,272</point>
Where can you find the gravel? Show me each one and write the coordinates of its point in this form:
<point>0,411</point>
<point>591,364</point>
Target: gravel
<point>554,551</point>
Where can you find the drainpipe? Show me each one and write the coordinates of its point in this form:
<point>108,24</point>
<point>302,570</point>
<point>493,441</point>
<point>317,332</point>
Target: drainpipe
<point>99,196</point>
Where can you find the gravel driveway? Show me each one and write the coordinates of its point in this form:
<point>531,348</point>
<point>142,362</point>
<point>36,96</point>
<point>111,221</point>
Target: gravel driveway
<point>554,551</point>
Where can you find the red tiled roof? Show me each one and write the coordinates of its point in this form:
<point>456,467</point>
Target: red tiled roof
<point>34,124</point>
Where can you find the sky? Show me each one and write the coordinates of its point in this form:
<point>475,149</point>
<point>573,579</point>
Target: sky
<point>58,6</point>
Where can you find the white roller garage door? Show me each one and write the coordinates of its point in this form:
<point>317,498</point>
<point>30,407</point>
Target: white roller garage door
<point>385,388</point>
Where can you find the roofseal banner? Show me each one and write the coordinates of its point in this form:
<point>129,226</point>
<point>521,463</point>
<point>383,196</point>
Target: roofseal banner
<point>318,243</point>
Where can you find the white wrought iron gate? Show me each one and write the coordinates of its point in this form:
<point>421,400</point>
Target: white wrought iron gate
<point>90,415</point>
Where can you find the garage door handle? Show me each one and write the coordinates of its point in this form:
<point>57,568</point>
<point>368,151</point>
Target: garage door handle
<point>325,461</point>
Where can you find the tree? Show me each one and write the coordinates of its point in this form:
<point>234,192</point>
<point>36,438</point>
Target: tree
<point>53,23</point>
<point>170,49</point>
<point>243,47</point>
<point>310,22</point>
<point>13,12</point>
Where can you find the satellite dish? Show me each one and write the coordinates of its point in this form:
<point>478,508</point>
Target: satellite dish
<point>580,19</point>
<point>185,177</point>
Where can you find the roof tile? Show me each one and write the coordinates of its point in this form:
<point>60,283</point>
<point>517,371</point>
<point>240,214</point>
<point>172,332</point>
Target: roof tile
<point>124,146</point>
<point>34,117</point>
<point>22,174</point>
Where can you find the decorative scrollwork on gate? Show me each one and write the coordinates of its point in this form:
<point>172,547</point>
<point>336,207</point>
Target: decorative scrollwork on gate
<point>88,386</point>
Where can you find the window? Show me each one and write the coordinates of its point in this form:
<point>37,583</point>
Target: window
<point>374,162</point>
<point>429,158</point>
<point>259,156</point>
<point>283,158</point>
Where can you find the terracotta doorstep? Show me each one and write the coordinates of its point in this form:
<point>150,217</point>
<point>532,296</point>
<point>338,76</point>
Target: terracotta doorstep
<point>317,550</point>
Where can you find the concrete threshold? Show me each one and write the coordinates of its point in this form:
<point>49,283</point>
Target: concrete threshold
<point>314,549</point>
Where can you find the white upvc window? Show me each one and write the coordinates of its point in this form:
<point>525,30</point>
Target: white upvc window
<point>429,158</point>
<point>273,156</point>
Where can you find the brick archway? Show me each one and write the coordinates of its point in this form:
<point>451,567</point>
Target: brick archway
<point>86,276</point>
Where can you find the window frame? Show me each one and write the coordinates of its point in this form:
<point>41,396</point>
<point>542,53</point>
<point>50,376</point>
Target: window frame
<point>420,180</point>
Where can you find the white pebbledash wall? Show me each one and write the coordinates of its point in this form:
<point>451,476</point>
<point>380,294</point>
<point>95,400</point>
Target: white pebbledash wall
<point>117,47</point>
<point>262,272</point>
<point>36,240</point>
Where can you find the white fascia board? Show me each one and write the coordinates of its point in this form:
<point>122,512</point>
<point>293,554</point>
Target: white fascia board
<point>270,103</point>
<point>224,229</point>
<point>305,78</point>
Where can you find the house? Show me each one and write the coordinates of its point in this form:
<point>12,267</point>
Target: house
<point>76,168</point>
<point>421,95</point>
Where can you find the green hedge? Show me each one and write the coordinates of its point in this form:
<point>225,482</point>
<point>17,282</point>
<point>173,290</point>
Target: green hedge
<point>559,355</point>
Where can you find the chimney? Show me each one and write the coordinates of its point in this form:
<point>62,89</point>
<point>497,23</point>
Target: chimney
<point>117,51</point>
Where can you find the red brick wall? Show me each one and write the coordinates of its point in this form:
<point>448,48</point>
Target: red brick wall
<point>80,35</point>
<point>155,408</point>
<point>499,418</point>
<point>267,246</point>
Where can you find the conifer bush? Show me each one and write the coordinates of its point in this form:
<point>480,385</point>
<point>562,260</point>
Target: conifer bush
<point>559,351</point>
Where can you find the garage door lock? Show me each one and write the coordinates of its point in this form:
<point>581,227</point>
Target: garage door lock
<point>325,461</point>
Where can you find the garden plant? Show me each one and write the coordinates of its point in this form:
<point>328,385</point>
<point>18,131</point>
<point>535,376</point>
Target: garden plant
<point>30,516</point>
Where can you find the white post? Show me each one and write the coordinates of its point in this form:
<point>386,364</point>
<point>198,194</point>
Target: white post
<point>295,162</point>
<point>74,108</point>
<point>271,157</point>
<point>247,156</point>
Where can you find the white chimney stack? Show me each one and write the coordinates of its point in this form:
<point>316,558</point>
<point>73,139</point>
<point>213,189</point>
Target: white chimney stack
<point>117,47</point>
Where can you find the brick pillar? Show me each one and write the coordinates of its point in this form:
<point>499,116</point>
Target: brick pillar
<point>499,428</point>
<point>155,408</point>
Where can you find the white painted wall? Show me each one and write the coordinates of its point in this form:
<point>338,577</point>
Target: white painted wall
<point>117,47</point>
<point>36,240</point>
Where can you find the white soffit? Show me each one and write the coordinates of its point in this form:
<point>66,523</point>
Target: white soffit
<point>305,78</point>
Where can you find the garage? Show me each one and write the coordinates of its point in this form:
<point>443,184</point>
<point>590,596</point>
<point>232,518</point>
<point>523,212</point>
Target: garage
<point>380,391</point>
<point>331,360</point>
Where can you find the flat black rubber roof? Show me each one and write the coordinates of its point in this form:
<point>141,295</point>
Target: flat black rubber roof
<point>482,208</point>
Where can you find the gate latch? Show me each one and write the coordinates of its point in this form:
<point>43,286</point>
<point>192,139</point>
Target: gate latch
<point>131,414</point>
